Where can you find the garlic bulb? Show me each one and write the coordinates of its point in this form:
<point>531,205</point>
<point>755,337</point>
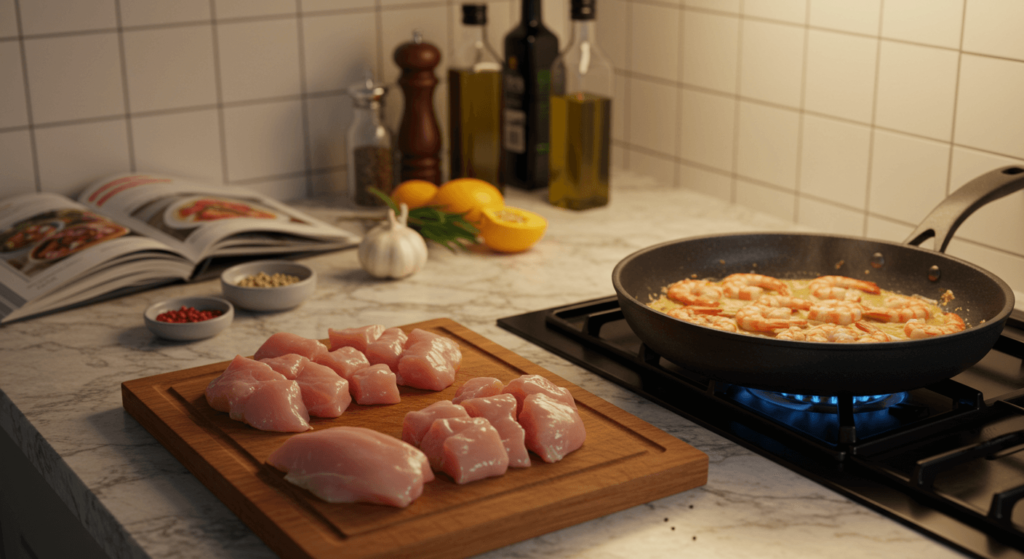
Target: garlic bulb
<point>393,250</point>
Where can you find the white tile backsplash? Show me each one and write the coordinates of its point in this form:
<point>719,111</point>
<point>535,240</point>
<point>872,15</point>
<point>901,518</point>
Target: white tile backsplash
<point>8,19</point>
<point>40,17</point>
<point>992,27</point>
<point>768,144</point>
<point>227,9</point>
<point>654,44</point>
<point>13,111</point>
<point>792,11</point>
<point>840,76</point>
<point>74,77</point>
<point>259,59</point>
<point>652,116</point>
<point>992,224</point>
<point>772,62</point>
<point>859,16</point>
<point>264,140</point>
<point>162,141</point>
<point>339,50</point>
<point>988,115</point>
<point>159,12</point>
<point>74,155</point>
<point>16,170</point>
<point>916,89</point>
<point>710,51</point>
<point>834,161</point>
<point>931,22</point>
<point>706,128</point>
<point>908,176</point>
<point>765,198</point>
<point>170,68</point>
<point>829,218</point>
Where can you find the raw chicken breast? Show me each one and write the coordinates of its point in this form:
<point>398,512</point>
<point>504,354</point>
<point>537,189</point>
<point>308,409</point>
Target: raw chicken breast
<point>387,348</point>
<point>324,393</point>
<point>374,385</point>
<point>466,448</point>
<point>284,343</point>
<point>276,405</point>
<point>358,338</point>
<point>425,365</point>
<point>553,429</point>
<point>478,387</point>
<point>536,384</point>
<point>344,361</point>
<point>354,465</point>
<point>448,347</point>
<point>416,423</point>
<point>230,390</point>
<point>288,365</point>
<point>500,411</point>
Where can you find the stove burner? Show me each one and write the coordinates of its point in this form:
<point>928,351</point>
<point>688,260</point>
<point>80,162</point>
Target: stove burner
<point>828,404</point>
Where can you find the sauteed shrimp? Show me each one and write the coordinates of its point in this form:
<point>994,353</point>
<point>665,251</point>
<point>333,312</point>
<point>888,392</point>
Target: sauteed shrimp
<point>836,312</point>
<point>917,329</point>
<point>705,316</point>
<point>695,292</point>
<point>841,287</point>
<point>762,318</point>
<point>899,309</point>
<point>751,286</point>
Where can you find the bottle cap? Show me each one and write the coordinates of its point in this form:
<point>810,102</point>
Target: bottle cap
<point>367,91</point>
<point>474,14</point>
<point>583,9</point>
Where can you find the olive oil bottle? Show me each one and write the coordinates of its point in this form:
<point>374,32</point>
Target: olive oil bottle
<point>581,106</point>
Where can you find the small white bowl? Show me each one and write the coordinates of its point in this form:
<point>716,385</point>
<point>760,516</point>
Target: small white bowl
<point>189,330</point>
<point>268,298</point>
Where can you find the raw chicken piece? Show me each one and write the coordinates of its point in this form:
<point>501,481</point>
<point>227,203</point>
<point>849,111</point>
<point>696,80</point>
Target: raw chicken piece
<point>466,448</point>
<point>230,390</point>
<point>354,465</point>
<point>344,361</point>
<point>416,423</point>
<point>553,429</point>
<point>374,385</point>
<point>534,384</point>
<point>324,393</point>
<point>284,343</point>
<point>500,410</point>
<point>449,347</point>
<point>387,348</point>
<point>276,405</point>
<point>478,387</point>
<point>426,365</point>
<point>358,338</point>
<point>288,365</point>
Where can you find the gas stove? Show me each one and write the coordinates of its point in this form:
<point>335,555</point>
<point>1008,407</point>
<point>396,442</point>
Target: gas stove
<point>943,459</point>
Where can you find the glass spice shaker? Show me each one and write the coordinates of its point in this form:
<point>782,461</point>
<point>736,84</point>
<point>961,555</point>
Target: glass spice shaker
<point>370,159</point>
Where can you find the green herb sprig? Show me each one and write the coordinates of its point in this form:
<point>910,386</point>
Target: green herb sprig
<point>449,230</point>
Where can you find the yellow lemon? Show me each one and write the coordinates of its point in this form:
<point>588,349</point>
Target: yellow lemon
<point>468,196</point>
<point>415,193</point>
<point>511,229</point>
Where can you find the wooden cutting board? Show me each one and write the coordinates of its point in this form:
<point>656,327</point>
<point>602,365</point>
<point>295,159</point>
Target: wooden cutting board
<point>624,462</point>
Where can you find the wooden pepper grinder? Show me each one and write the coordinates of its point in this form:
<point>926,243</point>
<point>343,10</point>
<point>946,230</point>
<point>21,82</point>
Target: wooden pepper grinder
<point>419,139</point>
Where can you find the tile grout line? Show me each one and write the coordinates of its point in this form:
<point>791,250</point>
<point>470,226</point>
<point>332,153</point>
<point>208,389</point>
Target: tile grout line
<point>873,129</point>
<point>956,101</point>
<point>800,118</point>
<point>734,183</point>
<point>218,86</point>
<point>677,178</point>
<point>37,175</point>
<point>126,98</point>
<point>307,140</point>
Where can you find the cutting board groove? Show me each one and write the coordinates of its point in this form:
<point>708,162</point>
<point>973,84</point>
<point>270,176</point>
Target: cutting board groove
<point>624,462</point>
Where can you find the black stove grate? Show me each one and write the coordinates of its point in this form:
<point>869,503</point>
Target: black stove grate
<point>944,460</point>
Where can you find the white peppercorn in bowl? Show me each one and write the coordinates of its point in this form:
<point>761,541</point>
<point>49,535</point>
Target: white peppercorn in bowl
<point>274,285</point>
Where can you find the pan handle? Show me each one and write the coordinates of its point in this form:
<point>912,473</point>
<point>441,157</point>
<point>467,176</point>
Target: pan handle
<point>951,212</point>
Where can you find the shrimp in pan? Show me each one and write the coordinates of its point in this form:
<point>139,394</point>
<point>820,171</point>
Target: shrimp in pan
<point>842,288</point>
<point>750,287</point>
<point>836,312</point>
<point>899,309</point>
<point>704,316</point>
<point>756,317</point>
<point>916,329</point>
<point>695,292</point>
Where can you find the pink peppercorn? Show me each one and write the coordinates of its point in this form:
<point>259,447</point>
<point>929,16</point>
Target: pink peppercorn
<point>187,314</point>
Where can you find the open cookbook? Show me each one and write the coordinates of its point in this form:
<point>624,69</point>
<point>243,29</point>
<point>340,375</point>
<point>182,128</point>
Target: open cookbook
<point>134,231</point>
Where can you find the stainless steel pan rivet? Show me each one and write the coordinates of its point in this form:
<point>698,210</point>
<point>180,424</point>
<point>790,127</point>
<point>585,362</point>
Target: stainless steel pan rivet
<point>877,260</point>
<point>934,273</point>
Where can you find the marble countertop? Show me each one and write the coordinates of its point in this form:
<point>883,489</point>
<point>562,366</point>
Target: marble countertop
<point>60,398</point>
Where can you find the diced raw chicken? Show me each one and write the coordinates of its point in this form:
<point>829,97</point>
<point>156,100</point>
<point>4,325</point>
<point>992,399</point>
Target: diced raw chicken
<point>374,385</point>
<point>358,338</point>
<point>276,405</point>
<point>536,384</point>
<point>288,365</point>
<point>354,465</point>
<point>416,423</point>
<point>283,343</point>
<point>449,347</point>
<point>500,411</point>
<point>344,361</point>
<point>466,448</point>
<point>324,393</point>
<point>478,387</point>
<point>553,429</point>
<point>425,365</point>
<point>387,348</point>
<point>230,390</point>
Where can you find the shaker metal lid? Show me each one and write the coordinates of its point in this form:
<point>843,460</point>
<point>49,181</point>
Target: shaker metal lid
<point>583,9</point>
<point>367,91</point>
<point>474,14</point>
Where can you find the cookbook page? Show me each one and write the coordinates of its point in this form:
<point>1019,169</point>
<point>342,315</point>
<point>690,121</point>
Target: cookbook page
<point>198,218</point>
<point>48,241</point>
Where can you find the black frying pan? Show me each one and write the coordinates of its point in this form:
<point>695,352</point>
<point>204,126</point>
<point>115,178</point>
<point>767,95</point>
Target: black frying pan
<point>982,299</point>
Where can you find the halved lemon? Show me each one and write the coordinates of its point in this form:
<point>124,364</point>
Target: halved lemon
<point>511,229</point>
<point>415,193</point>
<point>468,196</point>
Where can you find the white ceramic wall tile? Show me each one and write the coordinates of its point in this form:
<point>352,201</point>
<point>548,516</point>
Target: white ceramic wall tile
<point>556,18</point>
<point>993,27</point>
<point>887,230</point>
<point>259,59</point>
<point>16,173</point>
<point>500,21</point>
<point>834,161</point>
<point>309,6</point>
<point>861,16</point>
<point>74,77</point>
<point>331,187</point>
<point>409,2</point>
<point>652,116</point>
<point>72,156</point>
<point>714,184</point>
<point>765,199</point>
<point>60,16</point>
<point>397,26</point>
<point>170,68</point>
<point>13,110</point>
<point>158,12</point>
<point>612,32</point>
<point>988,114</point>
<point>792,11</point>
<point>181,143</point>
<point>339,50</point>
<point>620,108</point>
<point>840,79</point>
<point>654,45</point>
<point>227,9</point>
<point>8,19</point>
<point>999,223</point>
<point>618,157</point>
<point>908,176</point>
<point>916,89</point>
<point>730,6</point>
<point>932,22</point>
<point>1007,267</point>
<point>771,62</point>
<point>710,52</point>
<point>288,188</point>
<point>829,218</point>
<point>659,167</point>
<point>264,140</point>
<point>767,144</point>
<point>706,126</point>
<point>329,119</point>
